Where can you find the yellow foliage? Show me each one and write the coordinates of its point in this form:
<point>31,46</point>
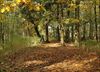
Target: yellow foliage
<point>73,6</point>
<point>18,1</point>
<point>2,10</point>
<point>31,6</point>
<point>37,7</point>
<point>13,4</point>
<point>26,1</point>
<point>7,8</point>
<point>23,1</point>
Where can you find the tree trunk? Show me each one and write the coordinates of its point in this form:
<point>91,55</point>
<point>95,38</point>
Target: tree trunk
<point>67,33</point>
<point>72,32</point>
<point>84,31</point>
<point>77,32</point>
<point>77,11</point>
<point>58,27</point>
<point>62,35</point>
<point>59,18</point>
<point>62,26</point>
<point>99,20</point>
<point>36,28</point>
<point>96,24</point>
<point>58,34</point>
<point>1,34</point>
<point>37,31</point>
<point>47,33</point>
<point>91,30</point>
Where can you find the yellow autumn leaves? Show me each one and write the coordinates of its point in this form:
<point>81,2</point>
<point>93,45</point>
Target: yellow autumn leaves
<point>36,7</point>
<point>32,6</point>
<point>23,1</point>
<point>7,7</point>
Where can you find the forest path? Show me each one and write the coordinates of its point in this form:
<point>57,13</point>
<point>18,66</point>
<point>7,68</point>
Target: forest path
<point>51,57</point>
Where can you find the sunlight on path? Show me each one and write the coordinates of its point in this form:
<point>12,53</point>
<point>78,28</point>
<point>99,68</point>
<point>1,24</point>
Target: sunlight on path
<point>55,45</point>
<point>35,62</point>
<point>71,65</point>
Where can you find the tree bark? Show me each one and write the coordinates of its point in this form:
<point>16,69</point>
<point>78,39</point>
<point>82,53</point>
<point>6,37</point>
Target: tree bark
<point>91,30</point>
<point>67,34</point>
<point>62,35</point>
<point>37,31</point>
<point>99,21</point>
<point>67,29</point>
<point>58,27</point>
<point>72,32</point>
<point>84,31</point>
<point>58,34</point>
<point>36,28</point>
<point>77,10</point>
<point>47,33</point>
<point>96,24</point>
<point>77,15</point>
<point>62,26</point>
<point>1,33</point>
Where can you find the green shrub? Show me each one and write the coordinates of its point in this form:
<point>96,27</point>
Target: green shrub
<point>91,45</point>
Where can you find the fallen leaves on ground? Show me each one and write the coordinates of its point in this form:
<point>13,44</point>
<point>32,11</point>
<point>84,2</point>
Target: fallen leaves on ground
<point>51,57</point>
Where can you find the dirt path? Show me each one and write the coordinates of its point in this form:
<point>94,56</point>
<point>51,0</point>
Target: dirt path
<point>51,57</point>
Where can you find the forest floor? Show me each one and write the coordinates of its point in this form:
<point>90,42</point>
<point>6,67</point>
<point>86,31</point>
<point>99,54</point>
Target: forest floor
<point>50,57</point>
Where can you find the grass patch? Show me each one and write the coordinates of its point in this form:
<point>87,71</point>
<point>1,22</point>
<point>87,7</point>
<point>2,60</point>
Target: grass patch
<point>91,45</point>
<point>13,44</point>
